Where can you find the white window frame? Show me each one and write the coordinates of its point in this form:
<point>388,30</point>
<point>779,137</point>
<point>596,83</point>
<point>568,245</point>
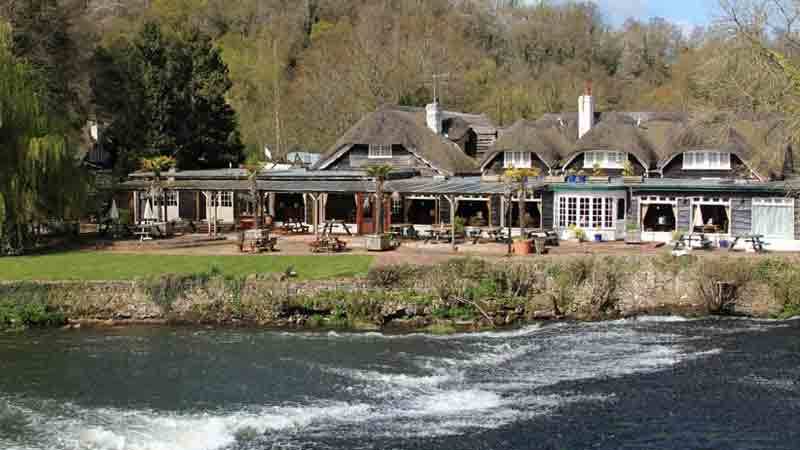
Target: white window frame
<point>171,198</point>
<point>517,160</point>
<point>225,199</point>
<point>776,202</point>
<point>608,159</point>
<point>380,151</point>
<point>569,211</point>
<point>706,160</point>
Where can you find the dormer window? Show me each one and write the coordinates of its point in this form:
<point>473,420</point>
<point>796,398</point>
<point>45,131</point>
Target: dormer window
<point>705,160</point>
<point>380,151</point>
<point>605,159</point>
<point>517,160</point>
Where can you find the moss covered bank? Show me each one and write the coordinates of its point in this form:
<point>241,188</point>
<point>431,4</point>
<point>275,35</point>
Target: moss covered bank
<point>459,294</point>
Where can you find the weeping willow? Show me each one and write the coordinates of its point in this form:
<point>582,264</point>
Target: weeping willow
<point>40,180</point>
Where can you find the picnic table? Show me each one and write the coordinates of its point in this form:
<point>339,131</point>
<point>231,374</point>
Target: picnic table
<point>438,235</point>
<point>404,230</point>
<point>328,244</point>
<point>327,228</point>
<point>146,230</point>
<point>257,240</point>
<point>756,242</point>
<point>690,241</point>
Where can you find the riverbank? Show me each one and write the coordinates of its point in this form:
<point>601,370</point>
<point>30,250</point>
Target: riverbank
<point>461,294</point>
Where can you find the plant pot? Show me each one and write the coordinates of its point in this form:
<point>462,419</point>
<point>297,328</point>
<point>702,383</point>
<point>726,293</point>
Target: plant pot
<point>598,237</point>
<point>522,247</point>
<point>378,242</point>
<point>571,178</point>
<point>580,178</point>
<point>633,237</point>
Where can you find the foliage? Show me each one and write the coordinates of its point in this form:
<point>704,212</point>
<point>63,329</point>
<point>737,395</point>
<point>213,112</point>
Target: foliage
<point>157,164</point>
<point>392,276</point>
<point>39,177</point>
<point>26,305</point>
<point>164,93</point>
<point>597,171</point>
<point>627,169</point>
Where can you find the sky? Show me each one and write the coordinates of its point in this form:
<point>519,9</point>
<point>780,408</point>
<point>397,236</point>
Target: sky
<point>686,13</point>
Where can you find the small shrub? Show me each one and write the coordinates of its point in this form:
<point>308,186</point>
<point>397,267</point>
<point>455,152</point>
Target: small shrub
<point>718,280</point>
<point>393,276</point>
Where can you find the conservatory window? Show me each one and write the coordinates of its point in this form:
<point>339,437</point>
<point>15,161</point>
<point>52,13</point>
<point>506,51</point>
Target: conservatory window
<point>586,212</point>
<point>605,159</point>
<point>517,160</point>
<point>774,217</point>
<point>380,151</point>
<point>706,161</point>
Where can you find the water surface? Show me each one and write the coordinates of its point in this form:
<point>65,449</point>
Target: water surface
<point>659,383</point>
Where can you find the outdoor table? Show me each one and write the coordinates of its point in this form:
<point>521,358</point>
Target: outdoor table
<point>756,240</point>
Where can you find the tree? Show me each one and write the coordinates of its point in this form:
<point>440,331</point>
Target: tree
<point>172,89</point>
<point>40,179</point>
<point>45,36</point>
<point>379,174</point>
<point>518,179</point>
<point>254,166</point>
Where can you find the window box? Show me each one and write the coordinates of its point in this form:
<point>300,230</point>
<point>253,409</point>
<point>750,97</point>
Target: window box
<point>632,179</point>
<point>594,179</point>
<point>554,179</point>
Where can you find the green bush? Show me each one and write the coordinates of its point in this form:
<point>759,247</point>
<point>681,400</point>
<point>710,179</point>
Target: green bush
<point>27,305</point>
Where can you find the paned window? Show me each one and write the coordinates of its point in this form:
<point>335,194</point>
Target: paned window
<point>706,160</point>
<point>517,160</point>
<point>606,159</point>
<point>380,151</point>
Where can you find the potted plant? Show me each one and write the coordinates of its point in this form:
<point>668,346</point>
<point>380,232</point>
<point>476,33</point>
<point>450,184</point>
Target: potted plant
<point>522,246</point>
<point>580,234</point>
<point>379,241</point>
<point>571,178</point>
<point>628,175</point>
<point>633,234</point>
<point>598,175</point>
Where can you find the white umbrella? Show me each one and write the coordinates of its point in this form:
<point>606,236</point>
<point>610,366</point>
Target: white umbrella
<point>148,212</point>
<point>113,214</point>
<point>698,217</point>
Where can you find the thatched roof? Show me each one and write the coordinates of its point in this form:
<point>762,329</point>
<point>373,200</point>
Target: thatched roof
<point>548,140</point>
<point>619,132</point>
<point>758,139</point>
<point>406,127</point>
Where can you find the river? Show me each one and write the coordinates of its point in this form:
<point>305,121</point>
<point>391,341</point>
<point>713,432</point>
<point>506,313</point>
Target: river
<point>652,383</point>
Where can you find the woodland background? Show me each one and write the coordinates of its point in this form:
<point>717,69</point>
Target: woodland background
<point>295,74</point>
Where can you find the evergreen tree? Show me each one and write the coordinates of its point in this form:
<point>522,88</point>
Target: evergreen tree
<point>164,94</point>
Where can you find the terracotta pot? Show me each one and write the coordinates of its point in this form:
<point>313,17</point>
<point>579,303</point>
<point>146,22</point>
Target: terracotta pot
<point>522,247</point>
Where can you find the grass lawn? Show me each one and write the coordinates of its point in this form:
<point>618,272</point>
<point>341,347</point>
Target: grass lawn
<point>102,266</point>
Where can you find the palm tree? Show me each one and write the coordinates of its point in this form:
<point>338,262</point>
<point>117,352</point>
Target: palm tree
<point>157,165</point>
<point>518,178</point>
<point>379,174</point>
